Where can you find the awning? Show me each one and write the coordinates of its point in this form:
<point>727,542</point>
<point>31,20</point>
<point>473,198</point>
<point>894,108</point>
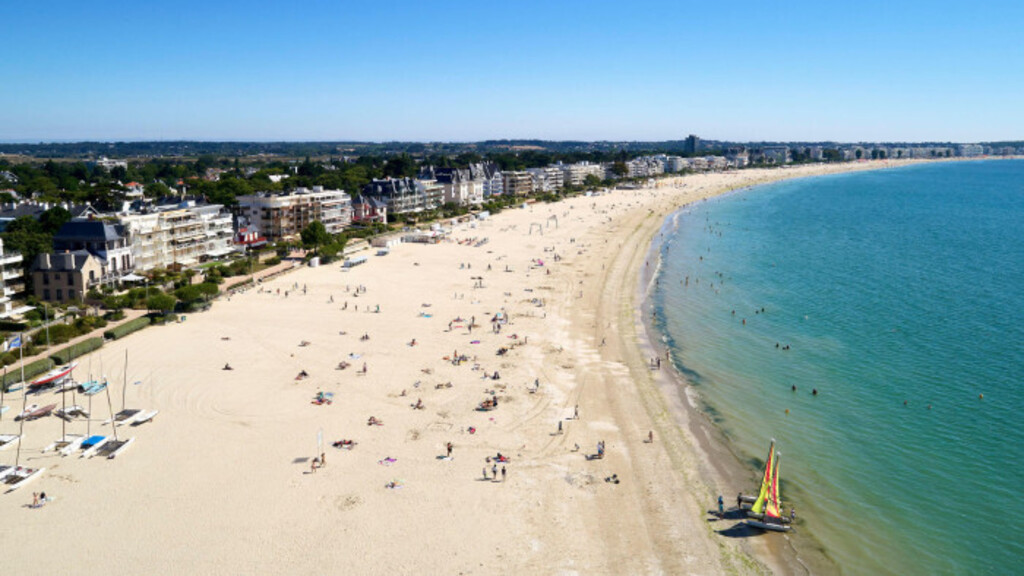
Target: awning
<point>132,278</point>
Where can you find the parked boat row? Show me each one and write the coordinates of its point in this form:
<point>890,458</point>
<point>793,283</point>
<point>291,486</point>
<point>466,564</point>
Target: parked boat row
<point>87,445</point>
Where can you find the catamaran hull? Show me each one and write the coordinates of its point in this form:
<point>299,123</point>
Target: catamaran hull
<point>8,440</point>
<point>769,525</point>
<point>24,476</point>
<point>120,449</point>
<point>54,377</point>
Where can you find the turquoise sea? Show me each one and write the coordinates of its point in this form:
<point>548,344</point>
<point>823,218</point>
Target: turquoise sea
<point>900,294</point>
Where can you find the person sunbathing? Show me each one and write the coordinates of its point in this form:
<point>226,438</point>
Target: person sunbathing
<point>228,367</point>
<point>374,421</point>
<point>419,404</point>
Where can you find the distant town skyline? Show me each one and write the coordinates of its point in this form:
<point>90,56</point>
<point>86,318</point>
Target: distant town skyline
<point>465,72</point>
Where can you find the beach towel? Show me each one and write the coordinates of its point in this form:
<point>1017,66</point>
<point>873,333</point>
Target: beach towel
<point>387,461</point>
<point>474,342</point>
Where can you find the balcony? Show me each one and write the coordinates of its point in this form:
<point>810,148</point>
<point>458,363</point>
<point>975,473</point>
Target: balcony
<point>8,275</point>
<point>10,258</point>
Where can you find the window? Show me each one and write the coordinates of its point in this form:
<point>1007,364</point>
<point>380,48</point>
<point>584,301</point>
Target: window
<point>46,294</point>
<point>71,279</point>
<point>60,295</point>
<point>46,281</point>
<point>92,276</point>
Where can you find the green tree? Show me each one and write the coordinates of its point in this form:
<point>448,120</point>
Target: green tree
<point>51,220</point>
<point>160,302</point>
<point>592,181</point>
<point>315,235</point>
<point>620,169</point>
<point>400,166</point>
<point>157,190</point>
<point>27,236</point>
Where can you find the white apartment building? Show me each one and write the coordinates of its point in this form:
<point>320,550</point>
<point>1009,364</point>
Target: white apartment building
<point>676,164</point>
<point>575,174</point>
<point>546,179</point>
<point>282,216</point>
<point>11,282</point>
<point>517,183</point>
<point>970,150</point>
<point>645,167</point>
<point>182,235</point>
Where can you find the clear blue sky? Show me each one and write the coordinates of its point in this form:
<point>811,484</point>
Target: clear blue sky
<point>462,71</point>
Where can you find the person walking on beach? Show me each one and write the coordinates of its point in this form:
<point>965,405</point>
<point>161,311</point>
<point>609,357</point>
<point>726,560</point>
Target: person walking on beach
<point>494,471</point>
<point>449,447</point>
<point>485,472</point>
<point>721,507</point>
<point>502,473</point>
<point>576,412</point>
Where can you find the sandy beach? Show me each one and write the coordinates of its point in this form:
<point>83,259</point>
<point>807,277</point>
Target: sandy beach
<point>222,481</point>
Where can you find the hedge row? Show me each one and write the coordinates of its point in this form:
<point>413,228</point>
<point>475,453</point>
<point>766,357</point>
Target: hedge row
<point>31,370</point>
<point>74,351</point>
<point>127,328</point>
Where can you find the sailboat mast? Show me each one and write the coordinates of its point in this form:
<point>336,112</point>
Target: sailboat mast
<point>124,388</point>
<point>110,406</point>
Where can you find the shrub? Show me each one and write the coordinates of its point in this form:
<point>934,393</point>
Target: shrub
<point>273,261</point>
<point>75,350</point>
<point>61,333</point>
<point>127,328</point>
<point>114,315</point>
<point>161,302</point>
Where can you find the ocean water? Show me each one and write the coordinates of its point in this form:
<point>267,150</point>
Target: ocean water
<point>900,294</point>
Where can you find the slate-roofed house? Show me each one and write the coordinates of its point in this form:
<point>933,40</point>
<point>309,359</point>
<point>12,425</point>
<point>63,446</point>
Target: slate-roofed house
<point>66,276</point>
<point>460,186</point>
<point>368,209</point>
<point>405,195</point>
<point>104,241</point>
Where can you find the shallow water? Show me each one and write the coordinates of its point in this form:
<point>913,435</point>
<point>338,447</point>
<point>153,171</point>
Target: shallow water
<point>901,296</point>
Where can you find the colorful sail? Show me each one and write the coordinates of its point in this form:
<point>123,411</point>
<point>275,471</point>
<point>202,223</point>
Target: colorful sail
<point>772,509</point>
<point>758,507</point>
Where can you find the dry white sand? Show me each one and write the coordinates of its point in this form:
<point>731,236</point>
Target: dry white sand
<point>221,481</point>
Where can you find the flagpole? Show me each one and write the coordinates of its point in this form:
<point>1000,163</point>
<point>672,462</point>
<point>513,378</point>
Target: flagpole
<point>24,395</point>
<point>3,389</point>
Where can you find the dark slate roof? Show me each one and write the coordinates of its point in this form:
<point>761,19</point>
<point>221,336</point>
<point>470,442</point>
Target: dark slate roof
<point>389,187</point>
<point>87,231</point>
<point>33,210</point>
<point>62,261</point>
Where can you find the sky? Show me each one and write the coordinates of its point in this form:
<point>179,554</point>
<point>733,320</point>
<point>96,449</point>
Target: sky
<point>872,71</point>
